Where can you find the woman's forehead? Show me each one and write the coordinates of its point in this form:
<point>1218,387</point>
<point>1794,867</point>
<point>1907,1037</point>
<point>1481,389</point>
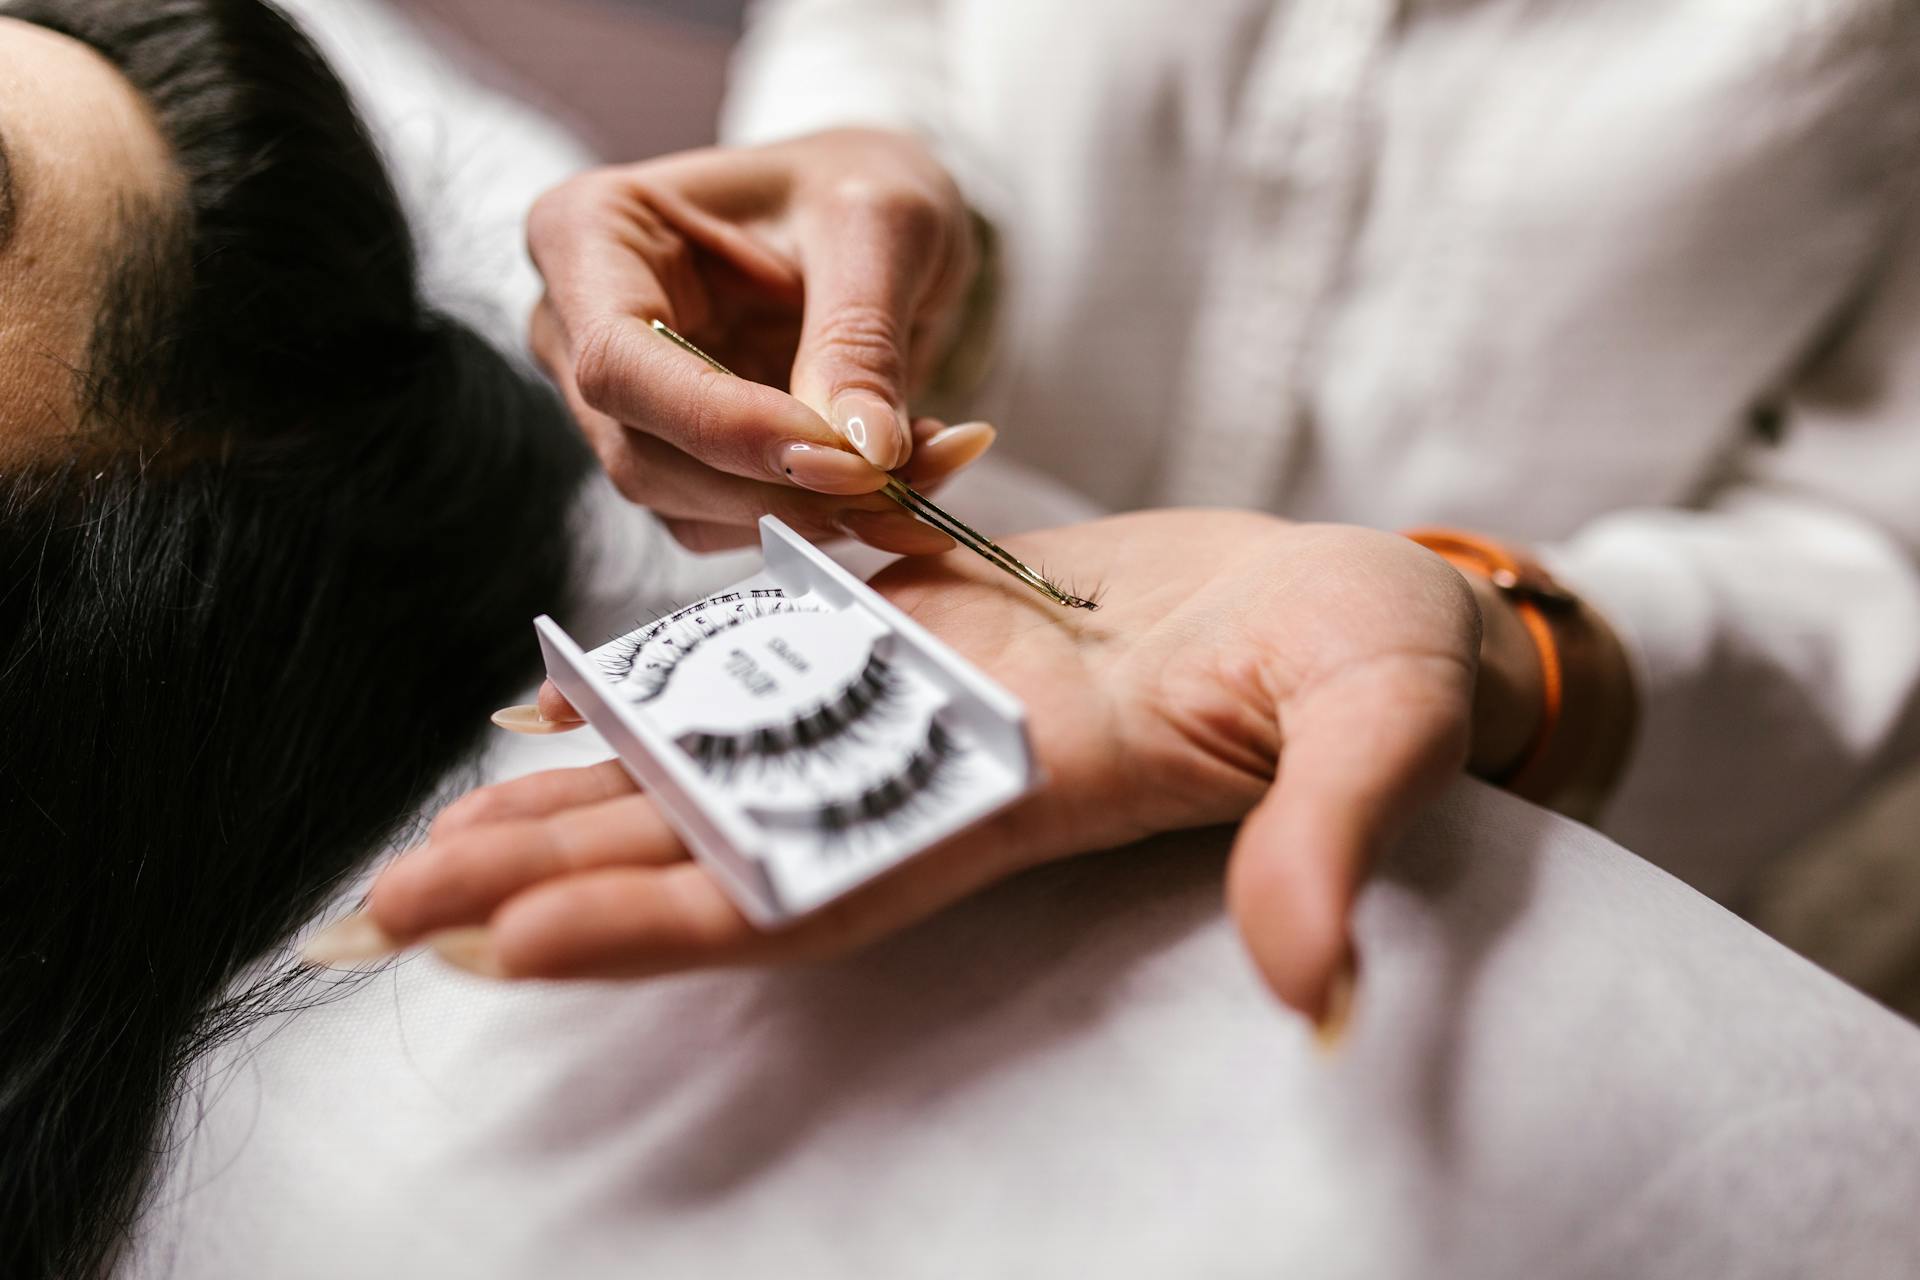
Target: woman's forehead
<point>81,150</point>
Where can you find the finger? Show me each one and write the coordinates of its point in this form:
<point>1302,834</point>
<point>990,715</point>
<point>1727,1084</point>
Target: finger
<point>550,713</point>
<point>679,488</point>
<point>868,269</point>
<point>939,450</point>
<point>616,241</point>
<point>1363,751</point>
<point>634,922</point>
<point>672,484</point>
<point>530,719</point>
<point>535,795</point>
<point>724,508</point>
<point>697,504</point>
<point>463,878</point>
<point>621,379</point>
<point>625,451</point>
<point>624,923</point>
<point>703,538</point>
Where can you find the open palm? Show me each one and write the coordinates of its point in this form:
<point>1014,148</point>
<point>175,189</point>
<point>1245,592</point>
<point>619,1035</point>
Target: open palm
<point>1313,680</point>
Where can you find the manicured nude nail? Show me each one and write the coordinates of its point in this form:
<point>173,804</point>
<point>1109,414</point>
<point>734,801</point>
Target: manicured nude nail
<point>350,940</point>
<point>870,425</point>
<point>1331,1028</point>
<point>894,531</point>
<point>955,447</point>
<point>470,949</point>
<point>527,719</point>
<point>825,469</point>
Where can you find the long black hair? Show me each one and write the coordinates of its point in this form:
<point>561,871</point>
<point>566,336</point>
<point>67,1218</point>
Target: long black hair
<point>250,614</point>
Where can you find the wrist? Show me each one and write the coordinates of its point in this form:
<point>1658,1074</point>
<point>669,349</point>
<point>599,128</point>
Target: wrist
<point>1574,710</point>
<point>1509,694</point>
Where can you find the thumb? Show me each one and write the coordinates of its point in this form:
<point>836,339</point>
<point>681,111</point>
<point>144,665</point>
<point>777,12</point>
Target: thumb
<point>1364,750</point>
<point>862,287</point>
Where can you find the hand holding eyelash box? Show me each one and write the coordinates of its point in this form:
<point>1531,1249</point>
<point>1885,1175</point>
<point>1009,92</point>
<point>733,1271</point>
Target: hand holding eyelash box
<point>800,733</point>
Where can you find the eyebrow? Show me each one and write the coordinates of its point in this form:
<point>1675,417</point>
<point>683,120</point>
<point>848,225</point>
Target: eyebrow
<point>6,194</point>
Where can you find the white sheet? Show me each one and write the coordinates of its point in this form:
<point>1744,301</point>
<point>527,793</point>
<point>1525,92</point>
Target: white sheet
<point>1564,1063</point>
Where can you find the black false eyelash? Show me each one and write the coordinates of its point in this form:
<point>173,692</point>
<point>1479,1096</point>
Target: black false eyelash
<point>618,664</point>
<point>891,797</point>
<point>871,694</point>
<point>1095,594</point>
<point>749,606</point>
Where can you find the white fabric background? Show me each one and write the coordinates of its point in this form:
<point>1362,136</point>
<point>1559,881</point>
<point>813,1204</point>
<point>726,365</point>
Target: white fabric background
<point>1564,1063</point>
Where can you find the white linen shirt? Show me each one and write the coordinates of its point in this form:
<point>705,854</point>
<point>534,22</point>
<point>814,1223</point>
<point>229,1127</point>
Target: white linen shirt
<point>1536,269</point>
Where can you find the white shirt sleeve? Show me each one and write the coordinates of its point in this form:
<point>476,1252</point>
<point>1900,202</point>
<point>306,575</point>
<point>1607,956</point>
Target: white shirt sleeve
<point>1776,631</point>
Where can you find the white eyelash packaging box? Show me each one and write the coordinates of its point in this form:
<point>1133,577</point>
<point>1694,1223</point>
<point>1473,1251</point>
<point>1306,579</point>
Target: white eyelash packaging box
<point>799,732</point>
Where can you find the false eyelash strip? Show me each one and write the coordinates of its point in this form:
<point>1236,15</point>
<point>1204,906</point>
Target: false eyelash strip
<point>667,641</point>
<point>693,625</point>
<point>888,797</point>
<point>873,693</point>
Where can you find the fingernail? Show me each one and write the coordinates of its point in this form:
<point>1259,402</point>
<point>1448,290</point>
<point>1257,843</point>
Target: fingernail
<point>826,469</point>
<point>894,531</point>
<point>870,425</point>
<point>470,949</point>
<point>353,939</point>
<point>527,719</point>
<point>956,447</point>
<point>1331,1028</point>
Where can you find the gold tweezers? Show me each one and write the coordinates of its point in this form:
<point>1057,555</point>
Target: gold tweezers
<point>920,506</point>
